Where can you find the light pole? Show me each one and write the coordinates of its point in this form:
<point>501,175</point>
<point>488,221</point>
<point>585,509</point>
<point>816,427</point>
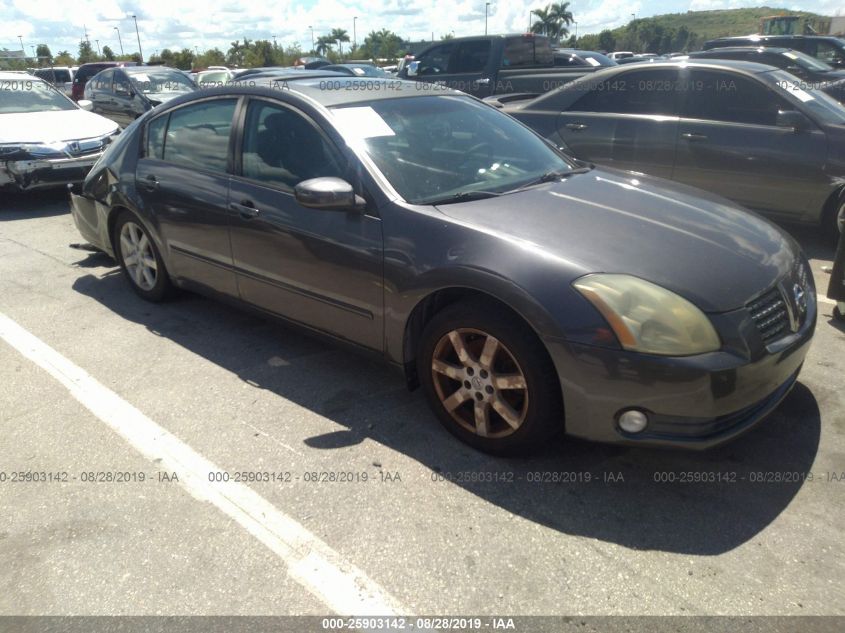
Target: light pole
<point>576,31</point>
<point>486,6</point>
<point>312,38</point>
<point>119,41</point>
<point>98,46</point>
<point>138,35</point>
<point>23,50</point>
<point>354,35</point>
<point>34,56</point>
<point>633,16</point>
<point>275,44</point>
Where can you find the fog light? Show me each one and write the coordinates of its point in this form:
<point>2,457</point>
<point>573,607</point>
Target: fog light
<point>633,421</point>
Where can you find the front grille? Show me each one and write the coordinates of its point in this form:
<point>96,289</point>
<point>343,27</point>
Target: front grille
<point>770,315</point>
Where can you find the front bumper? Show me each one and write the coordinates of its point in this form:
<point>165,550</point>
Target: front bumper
<point>692,402</point>
<point>26,175</point>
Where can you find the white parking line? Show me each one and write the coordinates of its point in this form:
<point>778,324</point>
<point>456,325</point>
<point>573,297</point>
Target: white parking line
<point>338,584</point>
<point>823,299</point>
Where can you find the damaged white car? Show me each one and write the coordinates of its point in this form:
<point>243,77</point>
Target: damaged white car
<point>46,140</point>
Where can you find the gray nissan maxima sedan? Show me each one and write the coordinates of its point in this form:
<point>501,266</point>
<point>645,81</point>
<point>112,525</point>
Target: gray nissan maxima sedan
<point>525,292</point>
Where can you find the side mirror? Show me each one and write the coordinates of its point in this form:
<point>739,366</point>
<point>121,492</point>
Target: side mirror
<point>413,69</point>
<point>329,194</point>
<point>792,119</point>
<point>85,104</point>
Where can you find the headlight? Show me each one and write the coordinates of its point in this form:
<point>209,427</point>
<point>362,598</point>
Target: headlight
<point>647,318</point>
<point>28,151</point>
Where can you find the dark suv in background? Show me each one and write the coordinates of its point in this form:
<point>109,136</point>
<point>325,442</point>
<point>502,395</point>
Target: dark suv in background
<point>828,49</point>
<point>86,71</point>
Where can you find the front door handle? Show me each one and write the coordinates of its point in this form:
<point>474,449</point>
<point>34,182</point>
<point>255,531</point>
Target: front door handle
<point>693,136</point>
<point>246,209</point>
<point>150,183</point>
<point>576,127</point>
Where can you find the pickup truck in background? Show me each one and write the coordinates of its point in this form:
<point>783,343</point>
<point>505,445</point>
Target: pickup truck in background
<point>493,64</point>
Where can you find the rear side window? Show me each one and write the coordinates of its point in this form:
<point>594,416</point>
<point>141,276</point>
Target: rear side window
<point>642,92</point>
<point>731,98</point>
<point>155,137</point>
<point>527,51</point>
<point>826,52</point>
<point>198,135</point>
<point>471,57</point>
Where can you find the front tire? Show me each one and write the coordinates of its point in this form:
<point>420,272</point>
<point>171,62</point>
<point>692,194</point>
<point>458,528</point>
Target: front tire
<point>140,259</point>
<point>833,224</point>
<point>488,379</point>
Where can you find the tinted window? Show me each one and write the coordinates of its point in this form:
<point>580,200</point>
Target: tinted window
<point>103,80</point>
<point>121,82</point>
<point>436,60</point>
<point>86,72</point>
<point>283,148</point>
<point>198,135</point>
<point>60,75</point>
<point>528,51</point>
<point>826,52</point>
<point>471,57</point>
<point>722,96</point>
<point>155,137</point>
<point>639,92</point>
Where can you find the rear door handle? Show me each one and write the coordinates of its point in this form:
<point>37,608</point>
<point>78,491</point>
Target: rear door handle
<point>576,127</point>
<point>692,136</point>
<point>150,183</point>
<point>245,208</point>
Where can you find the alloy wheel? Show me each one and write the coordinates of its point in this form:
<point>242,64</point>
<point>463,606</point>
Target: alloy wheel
<point>136,250</point>
<point>479,383</point>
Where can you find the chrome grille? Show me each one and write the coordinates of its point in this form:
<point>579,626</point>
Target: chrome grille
<point>770,315</point>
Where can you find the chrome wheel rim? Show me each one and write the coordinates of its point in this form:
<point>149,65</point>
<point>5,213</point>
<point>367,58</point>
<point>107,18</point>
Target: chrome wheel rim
<point>479,383</point>
<point>136,250</point>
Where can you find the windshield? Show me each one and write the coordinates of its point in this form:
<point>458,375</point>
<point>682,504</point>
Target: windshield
<point>31,95</point>
<point>155,82</point>
<point>433,147</point>
<point>807,62</point>
<point>820,104</point>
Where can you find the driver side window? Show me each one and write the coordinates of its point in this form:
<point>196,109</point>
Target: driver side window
<point>435,61</point>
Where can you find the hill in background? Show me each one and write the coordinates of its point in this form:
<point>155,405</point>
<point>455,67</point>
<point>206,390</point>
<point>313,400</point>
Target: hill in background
<point>677,32</point>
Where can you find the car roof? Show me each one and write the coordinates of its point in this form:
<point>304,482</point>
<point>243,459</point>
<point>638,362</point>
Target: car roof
<point>287,74</point>
<point>314,89</point>
<point>732,64</point>
<point>148,69</point>
<point>355,64</point>
<point>768,50</point>
<point>15,75</point>
<point>766,38</point>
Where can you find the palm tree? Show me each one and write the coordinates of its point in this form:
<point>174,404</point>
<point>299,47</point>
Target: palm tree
<point>553,20</point>
<point>324,44</point>
<point>340,36</point>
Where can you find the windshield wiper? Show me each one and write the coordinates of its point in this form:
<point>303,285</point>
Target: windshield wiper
<point>465,196</point>
<point>551,176</point>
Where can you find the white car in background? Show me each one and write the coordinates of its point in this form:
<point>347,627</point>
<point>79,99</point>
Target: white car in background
<point>46,140</point>
<point>59,76</point>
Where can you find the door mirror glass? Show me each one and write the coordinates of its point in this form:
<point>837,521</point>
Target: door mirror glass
<point>327,193</point>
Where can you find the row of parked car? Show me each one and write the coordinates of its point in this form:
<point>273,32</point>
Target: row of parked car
<point>532,267</point>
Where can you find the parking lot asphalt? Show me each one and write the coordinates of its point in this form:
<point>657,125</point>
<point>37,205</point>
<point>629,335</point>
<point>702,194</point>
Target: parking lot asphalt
<point>111,387</point>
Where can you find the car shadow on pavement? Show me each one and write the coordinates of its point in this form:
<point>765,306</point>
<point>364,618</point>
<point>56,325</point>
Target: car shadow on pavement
<point>669,500</point>
<point>30,204</point>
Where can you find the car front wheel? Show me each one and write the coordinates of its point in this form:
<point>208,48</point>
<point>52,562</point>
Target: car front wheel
<point>489,379</point>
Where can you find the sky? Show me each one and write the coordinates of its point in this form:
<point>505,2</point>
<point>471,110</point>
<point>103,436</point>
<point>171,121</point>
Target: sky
<point>204,24</point>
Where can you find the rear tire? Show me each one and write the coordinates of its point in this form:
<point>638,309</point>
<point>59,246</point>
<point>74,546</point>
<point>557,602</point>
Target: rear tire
<point>833,222</point>
<point>488,379</point>
<point>139,259</point>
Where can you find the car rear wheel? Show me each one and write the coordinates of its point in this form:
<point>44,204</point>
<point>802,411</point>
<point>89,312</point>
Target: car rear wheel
<point>139,258</point>
<point>488,379</point>
<point>833,224</point>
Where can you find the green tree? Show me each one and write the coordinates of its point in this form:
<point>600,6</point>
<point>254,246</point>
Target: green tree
<point>447,36</point>
<point>86,53</point>
<point>606,41</point>
<point>340,36</point>
<point>261,53</point>
<point>324,44</point>
<point>236,55</point>
<point>384,44</point>
<point>42,51</point>
<point>64,58</point>
<point>553,20</point>
<point>108,53</point>
<point>211,57</point>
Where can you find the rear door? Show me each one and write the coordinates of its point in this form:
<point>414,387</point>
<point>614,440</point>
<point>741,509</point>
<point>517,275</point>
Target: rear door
<point>99,89</point>
<point>728,143</point>
<point>627,121</point>
<point>183,180</point>
<point>321,268</point>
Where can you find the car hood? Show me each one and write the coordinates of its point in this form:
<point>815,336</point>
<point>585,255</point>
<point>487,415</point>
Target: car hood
<point>698,245</point>
<point>51,127</point>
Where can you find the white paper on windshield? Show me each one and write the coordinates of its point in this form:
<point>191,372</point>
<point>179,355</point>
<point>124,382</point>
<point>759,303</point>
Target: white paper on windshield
<point>358,71</point>
<point>591,61</point>
<point>361,122</point>
<point>791,55</point>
